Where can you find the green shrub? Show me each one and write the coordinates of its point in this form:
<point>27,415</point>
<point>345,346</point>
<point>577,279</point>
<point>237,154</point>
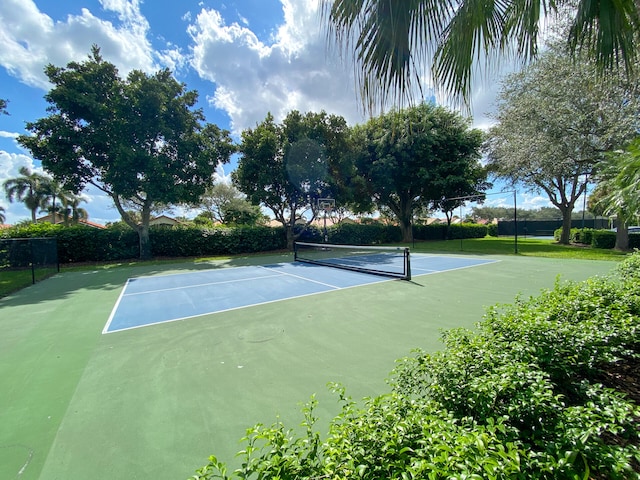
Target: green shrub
<point>467,230</point>
<point>603,239</point>
<point>80,243</point>
<point>31,230</point>
<point>440,231</point>
<point>437,231</point>
<point>363,234</point>
<point>192,241</point>
<point>85,244</point>
<point>492,230</point>
<point>581,235</point>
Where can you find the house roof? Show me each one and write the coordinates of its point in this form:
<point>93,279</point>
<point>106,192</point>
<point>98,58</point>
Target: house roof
<point>58,219</point>
<point>164,220</point>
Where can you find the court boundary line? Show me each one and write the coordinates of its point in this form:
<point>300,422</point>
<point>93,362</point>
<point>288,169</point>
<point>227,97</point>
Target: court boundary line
<point>431,272</point>
<point>198,284</point>
<point>336,289</point>
<point>332,289</point>
<point>115,307</point>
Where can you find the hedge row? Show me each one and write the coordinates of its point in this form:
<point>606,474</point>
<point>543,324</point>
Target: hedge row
<point>442,232</point>
<point>85,244</point>
<point>523,396</point>
<point>597,238</point>
<point>188,242</point>
<point>357,234</point>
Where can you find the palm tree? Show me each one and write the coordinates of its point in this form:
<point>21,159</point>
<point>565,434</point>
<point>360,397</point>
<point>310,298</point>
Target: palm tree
<point>28,188</point>
<point>396,41</point>
<point>54,190</point>
<point>619,178</point>
<point>2,214</point>
<point>71,212</point>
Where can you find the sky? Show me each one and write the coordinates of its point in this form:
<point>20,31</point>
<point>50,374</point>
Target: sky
<point>245,58</point>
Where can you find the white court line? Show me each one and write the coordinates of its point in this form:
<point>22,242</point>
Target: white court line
<point>135,327</point>
<point>115,308</point>
<point>333,287</point>
<point>303,278</point>
<point>184,287</point>
<point>431,271</point>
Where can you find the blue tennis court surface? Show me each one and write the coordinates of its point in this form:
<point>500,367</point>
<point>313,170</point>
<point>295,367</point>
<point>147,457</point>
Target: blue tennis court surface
<point>151,300</point>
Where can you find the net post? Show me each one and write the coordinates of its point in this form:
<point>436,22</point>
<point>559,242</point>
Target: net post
<point>33,263</point>
<point>408,264</point>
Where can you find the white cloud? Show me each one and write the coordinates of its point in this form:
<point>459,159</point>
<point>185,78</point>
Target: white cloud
<point>252,78</point>
<point>4,134</point>
<point>30,39</point>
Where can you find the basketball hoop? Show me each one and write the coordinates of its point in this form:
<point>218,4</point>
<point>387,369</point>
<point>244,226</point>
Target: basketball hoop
<point>328,205</point>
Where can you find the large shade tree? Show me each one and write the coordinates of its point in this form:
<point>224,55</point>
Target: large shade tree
<point>415,157</point>
<point>556,120</point>
<point>396,43</point>
<point>287,167</point>
<point>138,139</point>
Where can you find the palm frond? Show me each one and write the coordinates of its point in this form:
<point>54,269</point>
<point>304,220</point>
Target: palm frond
<point>608,31</point>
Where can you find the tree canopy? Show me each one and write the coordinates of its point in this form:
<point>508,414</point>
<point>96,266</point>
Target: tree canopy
<point>138,139</point>
<point>416,157</point>
<point>287,167</point>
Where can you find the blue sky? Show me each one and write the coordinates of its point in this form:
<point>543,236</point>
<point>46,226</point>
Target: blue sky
<point>245,58</point>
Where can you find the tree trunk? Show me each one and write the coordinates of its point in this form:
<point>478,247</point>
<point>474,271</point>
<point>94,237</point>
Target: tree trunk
<point>622,235</point>
<point>405,217</point>
<point>143,233</point>
<point>290,237</point>
<point>565,236</point>
<point>406,230</point>
<point>143,229</point>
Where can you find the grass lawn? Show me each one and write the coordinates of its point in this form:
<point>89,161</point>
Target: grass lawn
<point>530,247</point>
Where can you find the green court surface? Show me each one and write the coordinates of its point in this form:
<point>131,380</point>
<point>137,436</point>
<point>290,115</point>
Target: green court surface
<point>155,402</point>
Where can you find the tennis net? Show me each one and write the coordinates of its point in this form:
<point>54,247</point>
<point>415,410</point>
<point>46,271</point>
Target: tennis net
<point>387,261</point>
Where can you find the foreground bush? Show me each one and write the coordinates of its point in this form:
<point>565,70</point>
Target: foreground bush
<point>525,396</point>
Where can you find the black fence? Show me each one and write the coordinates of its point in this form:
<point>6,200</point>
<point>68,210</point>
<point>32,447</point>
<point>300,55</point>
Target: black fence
<point>37,255</point>
<point>544,228</point>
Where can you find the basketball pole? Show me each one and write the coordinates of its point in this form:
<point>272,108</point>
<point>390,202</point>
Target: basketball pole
<point>326,237</point>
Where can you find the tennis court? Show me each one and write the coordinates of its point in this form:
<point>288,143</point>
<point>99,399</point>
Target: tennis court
<point>150,300</point>
<point>155,402</point>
